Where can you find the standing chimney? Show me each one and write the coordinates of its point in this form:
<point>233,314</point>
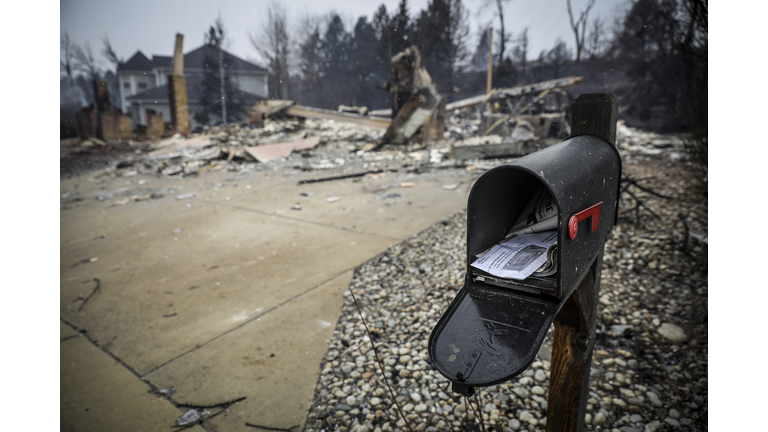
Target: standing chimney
<point>177,90</point>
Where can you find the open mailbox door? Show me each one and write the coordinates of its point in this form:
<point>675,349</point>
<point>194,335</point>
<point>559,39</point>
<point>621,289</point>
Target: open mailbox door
<point>490,333</point>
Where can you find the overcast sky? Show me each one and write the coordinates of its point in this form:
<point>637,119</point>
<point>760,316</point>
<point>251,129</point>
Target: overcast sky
<point>150,25</point>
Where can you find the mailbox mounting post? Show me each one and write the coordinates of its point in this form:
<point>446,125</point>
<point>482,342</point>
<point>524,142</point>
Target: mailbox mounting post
<point>574,337</point>
<point>494,327</point>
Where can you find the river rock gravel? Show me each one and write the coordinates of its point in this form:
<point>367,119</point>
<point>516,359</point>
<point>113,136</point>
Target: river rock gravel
<point>650,363</point>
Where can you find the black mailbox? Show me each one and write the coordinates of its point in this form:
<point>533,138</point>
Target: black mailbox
<point>491,333</point>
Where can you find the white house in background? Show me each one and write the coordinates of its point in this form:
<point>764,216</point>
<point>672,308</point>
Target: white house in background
<point>144,83</point>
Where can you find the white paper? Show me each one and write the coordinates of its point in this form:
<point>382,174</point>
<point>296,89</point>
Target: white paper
<point>545,225</point>
<point>518,257</point>
<point>540,208</point>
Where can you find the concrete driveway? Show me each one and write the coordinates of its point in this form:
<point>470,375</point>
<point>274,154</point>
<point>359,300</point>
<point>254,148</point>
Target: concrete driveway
<point>229,294</point>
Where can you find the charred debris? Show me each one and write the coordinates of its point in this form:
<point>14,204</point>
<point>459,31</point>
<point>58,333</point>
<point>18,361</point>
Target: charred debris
<point>419,130</point>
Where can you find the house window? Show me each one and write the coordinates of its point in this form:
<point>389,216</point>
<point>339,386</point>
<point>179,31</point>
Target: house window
<point>127,85</point>
<point>142,85</point>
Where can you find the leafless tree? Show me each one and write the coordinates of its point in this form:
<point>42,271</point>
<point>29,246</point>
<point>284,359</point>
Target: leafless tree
<point>85,62</point>
<point>67,60</point>
<point>557,59</point>
<point>596,41</point>
<point>274,43</point>
<point>520,52</point>
<point>499,12</point>
<point>580,26</point>
<point>217,37</point>
<point>110,53</point>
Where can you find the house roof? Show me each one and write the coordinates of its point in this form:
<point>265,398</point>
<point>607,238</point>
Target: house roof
<point>161,61</point>
<point>194,59</point>
<point>194,85</point>
<point>139,62</point>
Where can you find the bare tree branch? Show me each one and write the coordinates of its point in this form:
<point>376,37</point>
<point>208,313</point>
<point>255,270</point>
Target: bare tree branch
<point>520,52</point>
<point>596,40</point>
<point>110,53</point>
<point>274,44</point>
<point>85,62</point>
<point>66,61</point>
<point>499,12</point>
<point>580,26</point>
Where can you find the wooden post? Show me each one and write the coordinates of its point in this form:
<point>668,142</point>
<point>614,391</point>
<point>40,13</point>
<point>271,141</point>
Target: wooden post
<point>490,60</point>
<point>574,338</point>
<point>595,114</point>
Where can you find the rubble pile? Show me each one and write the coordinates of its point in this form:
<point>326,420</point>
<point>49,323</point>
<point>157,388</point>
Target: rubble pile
<point>650,364</point>
<point>220,148</point>
<point>634,143</point>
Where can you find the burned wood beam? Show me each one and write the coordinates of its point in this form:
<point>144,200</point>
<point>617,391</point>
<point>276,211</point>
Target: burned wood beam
<point>271,107</point>
<point>538,87</point>
<point>381,112</point>
<point>514,92</point>
<point>469,102</point>
<point>415,113</point>
<point>341,177</point>
<point>319,113</point>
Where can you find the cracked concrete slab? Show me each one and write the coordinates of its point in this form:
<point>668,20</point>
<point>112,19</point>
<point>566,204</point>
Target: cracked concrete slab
<point>164,294</point>
<point>184,283</point>
<point>66,331</point>
<point>273,361</point>
<point>99,394</point>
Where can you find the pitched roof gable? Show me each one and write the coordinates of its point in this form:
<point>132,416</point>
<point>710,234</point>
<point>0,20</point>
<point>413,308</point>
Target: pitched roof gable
<point>139,62</point>
<point>196,59</point>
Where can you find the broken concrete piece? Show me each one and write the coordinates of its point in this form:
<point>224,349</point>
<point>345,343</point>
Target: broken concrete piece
<point>209,154</point>
<point>186,196</point>
<point>266,153</point>
<point>188,418</point>
<point>173,170</point>
<point>319,113</point>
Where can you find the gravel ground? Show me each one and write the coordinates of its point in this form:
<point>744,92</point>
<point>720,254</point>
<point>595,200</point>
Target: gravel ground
<point>650,363</point>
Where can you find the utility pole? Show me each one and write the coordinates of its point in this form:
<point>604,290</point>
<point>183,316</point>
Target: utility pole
<point>221,79</point>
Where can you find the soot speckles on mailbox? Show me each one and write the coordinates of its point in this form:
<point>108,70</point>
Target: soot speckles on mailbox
<point>494,327</point>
